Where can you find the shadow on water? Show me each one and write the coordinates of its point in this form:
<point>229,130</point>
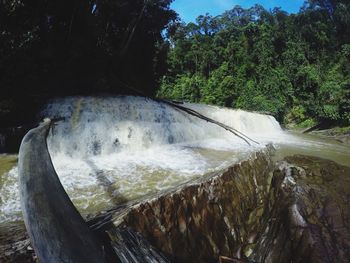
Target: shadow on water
<point>108,186</point>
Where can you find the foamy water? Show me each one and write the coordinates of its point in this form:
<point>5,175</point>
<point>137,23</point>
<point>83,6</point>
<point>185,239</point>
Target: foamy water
<point>108,150</point>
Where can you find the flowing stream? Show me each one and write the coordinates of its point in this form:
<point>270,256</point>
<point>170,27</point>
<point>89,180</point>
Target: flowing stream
<point>112,149</point>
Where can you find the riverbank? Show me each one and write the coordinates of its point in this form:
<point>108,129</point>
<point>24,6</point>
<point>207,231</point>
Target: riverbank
<point>340,134</point>
<point>337,133</point>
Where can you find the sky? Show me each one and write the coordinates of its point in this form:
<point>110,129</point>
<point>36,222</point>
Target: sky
<point>190,9</point>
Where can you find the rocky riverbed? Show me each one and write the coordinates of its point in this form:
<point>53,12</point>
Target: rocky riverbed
<point>296,210</point>
<point>339,134</point>
<point>308,213</point>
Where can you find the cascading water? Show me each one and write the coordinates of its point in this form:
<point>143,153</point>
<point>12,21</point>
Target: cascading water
<point>102,126</point>
<point>107,150</point>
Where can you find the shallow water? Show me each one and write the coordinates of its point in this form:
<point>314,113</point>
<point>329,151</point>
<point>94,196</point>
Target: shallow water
<point>111,150</point>
<point>95,191</point>
<point>9,201</point>
<point>314,145</point>
<point>102,182</point>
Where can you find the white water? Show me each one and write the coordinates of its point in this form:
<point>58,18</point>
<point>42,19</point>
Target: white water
<point>112,149</point>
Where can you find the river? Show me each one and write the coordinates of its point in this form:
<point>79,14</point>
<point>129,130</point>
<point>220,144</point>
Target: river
<point>111,150</point>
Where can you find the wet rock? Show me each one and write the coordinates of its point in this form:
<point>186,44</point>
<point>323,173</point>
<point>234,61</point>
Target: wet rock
<point>339,134</point>
<point>295,211</point>
<point>298,213</point>
<point>132,247</point>
<point>15,244</point>
<point>309,213</point>
<point>219,215</point>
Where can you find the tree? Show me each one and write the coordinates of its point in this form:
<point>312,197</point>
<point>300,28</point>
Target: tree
<point>294,66</point>
<point>85,46</point>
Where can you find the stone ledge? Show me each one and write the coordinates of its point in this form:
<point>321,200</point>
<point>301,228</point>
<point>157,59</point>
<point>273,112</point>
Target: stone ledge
<point>218,216</point>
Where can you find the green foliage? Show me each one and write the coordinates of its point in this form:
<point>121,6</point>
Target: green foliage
<point>331,94</point>
<point>65,47</point>
<point>296,115</point>
<point>220,88</point>
<point>60,48</point>
<point>296,67</point>
<point>307,124</point>
<point>185,88</point>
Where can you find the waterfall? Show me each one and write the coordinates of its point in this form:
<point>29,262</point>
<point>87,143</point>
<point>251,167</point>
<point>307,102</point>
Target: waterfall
<point>101,126</point>
<point>111,149</point>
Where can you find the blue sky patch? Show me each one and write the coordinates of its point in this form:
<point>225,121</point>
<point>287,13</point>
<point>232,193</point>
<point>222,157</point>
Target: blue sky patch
<point>190,10</point>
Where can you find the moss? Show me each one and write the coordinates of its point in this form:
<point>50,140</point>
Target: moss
<point>306,124</point>
<point>340,130</point>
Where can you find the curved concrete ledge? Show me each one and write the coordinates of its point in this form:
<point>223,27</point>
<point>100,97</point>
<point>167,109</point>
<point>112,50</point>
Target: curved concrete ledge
<point>57,231</point>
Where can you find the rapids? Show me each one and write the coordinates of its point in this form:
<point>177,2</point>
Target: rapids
<point>109,150</point>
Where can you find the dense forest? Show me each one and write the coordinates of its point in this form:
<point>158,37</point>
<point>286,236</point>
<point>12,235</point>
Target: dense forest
<point>294,66</point>
<point>60,47</point>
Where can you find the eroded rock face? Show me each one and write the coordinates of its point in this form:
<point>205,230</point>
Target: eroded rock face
<point>218,216</point>
<point>299,214</point>
<point>309,213</point>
